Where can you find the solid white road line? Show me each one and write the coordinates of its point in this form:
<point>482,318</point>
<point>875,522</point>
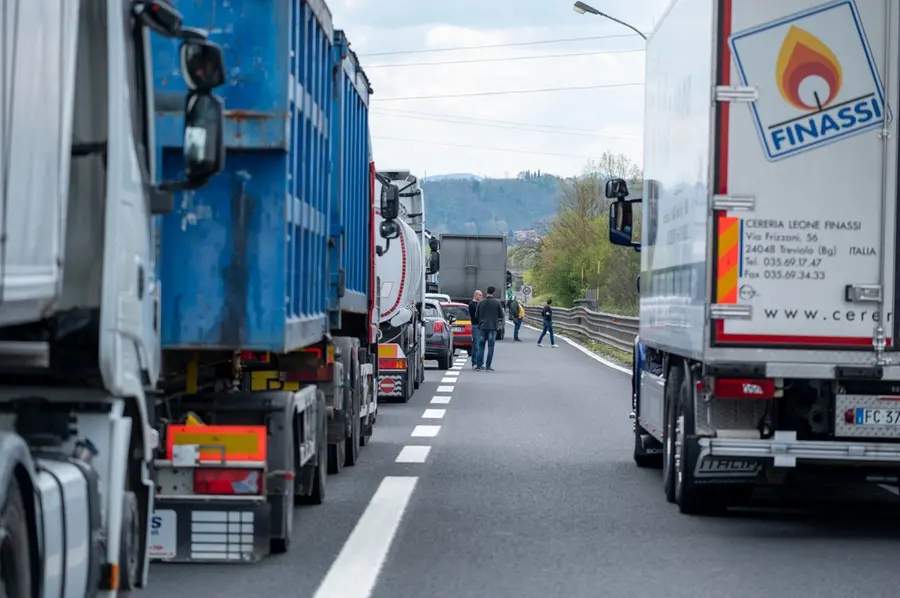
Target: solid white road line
<point>434,414</point>
<point>588,352</point>
<point>439,400</point>
<point>355,571</point>
<point>425,431</point>
<point>412,453</point>
<point>445,388</point>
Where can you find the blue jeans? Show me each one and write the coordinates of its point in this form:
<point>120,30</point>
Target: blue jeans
<point>487,337</point>
<point>518,324</point>
<point>548,327</point>
<point>476,345</point>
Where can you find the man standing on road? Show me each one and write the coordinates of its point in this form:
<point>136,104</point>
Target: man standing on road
<point>476,333</point>
<point>518,314</point>
<point>489,313</point>
<point>547,317</point>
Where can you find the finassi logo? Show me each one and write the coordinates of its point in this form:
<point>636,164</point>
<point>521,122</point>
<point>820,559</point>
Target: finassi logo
<point>819,91</point>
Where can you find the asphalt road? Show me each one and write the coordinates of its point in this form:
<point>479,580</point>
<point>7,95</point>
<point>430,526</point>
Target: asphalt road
<point>528,490</point>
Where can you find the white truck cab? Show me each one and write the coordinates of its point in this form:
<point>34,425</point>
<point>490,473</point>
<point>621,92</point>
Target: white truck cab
<point>79,332</point>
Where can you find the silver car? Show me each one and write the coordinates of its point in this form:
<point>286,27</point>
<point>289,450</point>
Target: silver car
<point>438,334</point>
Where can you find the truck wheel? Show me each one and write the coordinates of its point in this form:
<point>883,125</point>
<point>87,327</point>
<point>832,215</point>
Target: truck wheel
<point>691,498</point>
<point>15,549</point>
<point>129,552</point>
<point>407,391</point>
<point>337,455</point>
<point>316,494</point>
<point>672,398</point>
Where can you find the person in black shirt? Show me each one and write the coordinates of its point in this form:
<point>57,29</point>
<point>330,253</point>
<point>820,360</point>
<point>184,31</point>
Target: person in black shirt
<point>547,317</point>
<point>476,333</point>
<point>490,317</point>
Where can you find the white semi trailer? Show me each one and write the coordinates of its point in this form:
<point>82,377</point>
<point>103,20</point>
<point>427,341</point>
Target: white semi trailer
<point>767,351</point>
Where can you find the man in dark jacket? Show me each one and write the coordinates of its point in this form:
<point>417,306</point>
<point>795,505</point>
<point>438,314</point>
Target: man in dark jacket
<point>476,333</point>
<point>489,313</point>
<point>547,317</point>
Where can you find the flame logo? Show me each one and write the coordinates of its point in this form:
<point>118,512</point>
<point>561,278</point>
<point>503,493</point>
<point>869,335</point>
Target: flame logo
<point>808,73</point>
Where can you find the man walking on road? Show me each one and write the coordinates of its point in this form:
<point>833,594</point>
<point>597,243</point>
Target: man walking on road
<point>489,313</point>
<point>476,333</point>
<point>518,314</point>
<point>547,317</point>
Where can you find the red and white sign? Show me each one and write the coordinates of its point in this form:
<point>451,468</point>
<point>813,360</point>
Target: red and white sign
<point>386,386</point>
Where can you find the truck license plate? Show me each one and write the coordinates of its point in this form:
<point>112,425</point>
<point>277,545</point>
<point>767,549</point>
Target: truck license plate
<point>163,535</point>
<point>877,417</point>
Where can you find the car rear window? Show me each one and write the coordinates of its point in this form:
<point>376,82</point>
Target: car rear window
<point>431,311</point>
<point>458,311</point>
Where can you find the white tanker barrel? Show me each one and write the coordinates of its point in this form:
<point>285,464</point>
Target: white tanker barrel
<point>401,270</point>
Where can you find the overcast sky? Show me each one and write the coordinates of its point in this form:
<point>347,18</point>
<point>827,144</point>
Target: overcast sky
<point>453,135</point>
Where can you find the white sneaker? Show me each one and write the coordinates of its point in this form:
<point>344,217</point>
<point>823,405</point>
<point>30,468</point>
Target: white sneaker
<point>540,345</point>
<point>555,346</point>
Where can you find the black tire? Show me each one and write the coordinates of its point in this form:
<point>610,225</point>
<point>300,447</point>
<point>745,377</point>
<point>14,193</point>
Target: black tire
<point>337,456</point>
<point>642,458</point>
<point>691,498</point>
<point>445,361</point>
<point>15,544</point>
<point>316,494</point>
<point>672,391</point>
<point>129,543</point>
<point>355,397</point>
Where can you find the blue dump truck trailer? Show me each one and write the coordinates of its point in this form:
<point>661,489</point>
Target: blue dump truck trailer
<point>267,282</point>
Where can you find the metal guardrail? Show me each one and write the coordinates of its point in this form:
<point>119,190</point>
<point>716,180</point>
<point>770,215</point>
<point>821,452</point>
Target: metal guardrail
<point>609,329</point>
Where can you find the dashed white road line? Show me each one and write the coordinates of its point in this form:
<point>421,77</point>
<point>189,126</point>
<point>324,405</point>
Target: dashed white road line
<point>413,453</point>
<point>425,431</point>
<point>445,388</point>
<point>434,414</point>
<point>440,400</point>
<point>355,571</point>
<point>449,380</point>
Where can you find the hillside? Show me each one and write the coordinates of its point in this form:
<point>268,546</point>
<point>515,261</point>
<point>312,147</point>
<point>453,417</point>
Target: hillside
<point>489,206</point>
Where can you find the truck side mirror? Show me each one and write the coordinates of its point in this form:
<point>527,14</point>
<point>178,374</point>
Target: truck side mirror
<point>434,262</point>
<point>620,225</point>
<point>390,202</point>
<point>160,16</point>
<point>202,64</point>
<point>616,189</point>
<point>204,143</point>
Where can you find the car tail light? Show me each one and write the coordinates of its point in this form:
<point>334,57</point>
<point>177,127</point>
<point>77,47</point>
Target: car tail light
<point>743,388</point>
<point>228,481</point>
<point>438,326</point>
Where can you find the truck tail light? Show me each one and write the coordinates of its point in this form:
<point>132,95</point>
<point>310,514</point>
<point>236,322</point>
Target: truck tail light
<point>438,327</point>
<point>391,364</point>
<point>744,388</point>
<point>228,481</point>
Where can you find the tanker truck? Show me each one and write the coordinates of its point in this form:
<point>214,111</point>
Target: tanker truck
<point>401,267</point>
<point>78,333</point>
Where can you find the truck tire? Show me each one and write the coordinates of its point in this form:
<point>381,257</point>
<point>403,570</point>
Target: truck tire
<point>672,398</point>
<point>337,455</point>
<point>316,494</point>
<point>355,398</point>
<point>15,543</point>
<point>129,544</point>
<point>280,545</point>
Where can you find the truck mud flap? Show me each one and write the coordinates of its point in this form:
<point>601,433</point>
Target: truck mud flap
<point>209,531</point>
<point>722,471</point>
<point>337,427</point>
<point>391,385</point>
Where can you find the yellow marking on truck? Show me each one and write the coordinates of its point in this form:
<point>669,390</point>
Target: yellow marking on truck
<point>728,257</point>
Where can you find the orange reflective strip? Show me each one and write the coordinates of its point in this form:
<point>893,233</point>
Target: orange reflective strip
<point>728,257</point>
<point>240,443</point>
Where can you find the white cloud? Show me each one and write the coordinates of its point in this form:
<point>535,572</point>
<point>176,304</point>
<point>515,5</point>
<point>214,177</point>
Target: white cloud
<point>615,113</point>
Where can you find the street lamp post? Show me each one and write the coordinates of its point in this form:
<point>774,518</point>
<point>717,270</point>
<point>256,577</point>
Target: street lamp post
<point>582,8</point>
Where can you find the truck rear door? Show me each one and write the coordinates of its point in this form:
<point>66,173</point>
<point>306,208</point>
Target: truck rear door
<point>805,175</point>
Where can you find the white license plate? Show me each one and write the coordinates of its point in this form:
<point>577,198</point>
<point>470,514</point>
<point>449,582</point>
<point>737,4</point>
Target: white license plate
<point>458,329</point>
<point>877,417</point>
<point>163,535</point>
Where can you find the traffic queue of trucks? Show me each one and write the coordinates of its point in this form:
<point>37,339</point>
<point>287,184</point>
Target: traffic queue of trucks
<point>192,328</point>
<point>767,347</point>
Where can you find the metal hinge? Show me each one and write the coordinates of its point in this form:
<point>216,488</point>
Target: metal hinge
<point>724,311</point>
<point>736,93</point>
<point>863,293</point>
<point>734,203</point>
